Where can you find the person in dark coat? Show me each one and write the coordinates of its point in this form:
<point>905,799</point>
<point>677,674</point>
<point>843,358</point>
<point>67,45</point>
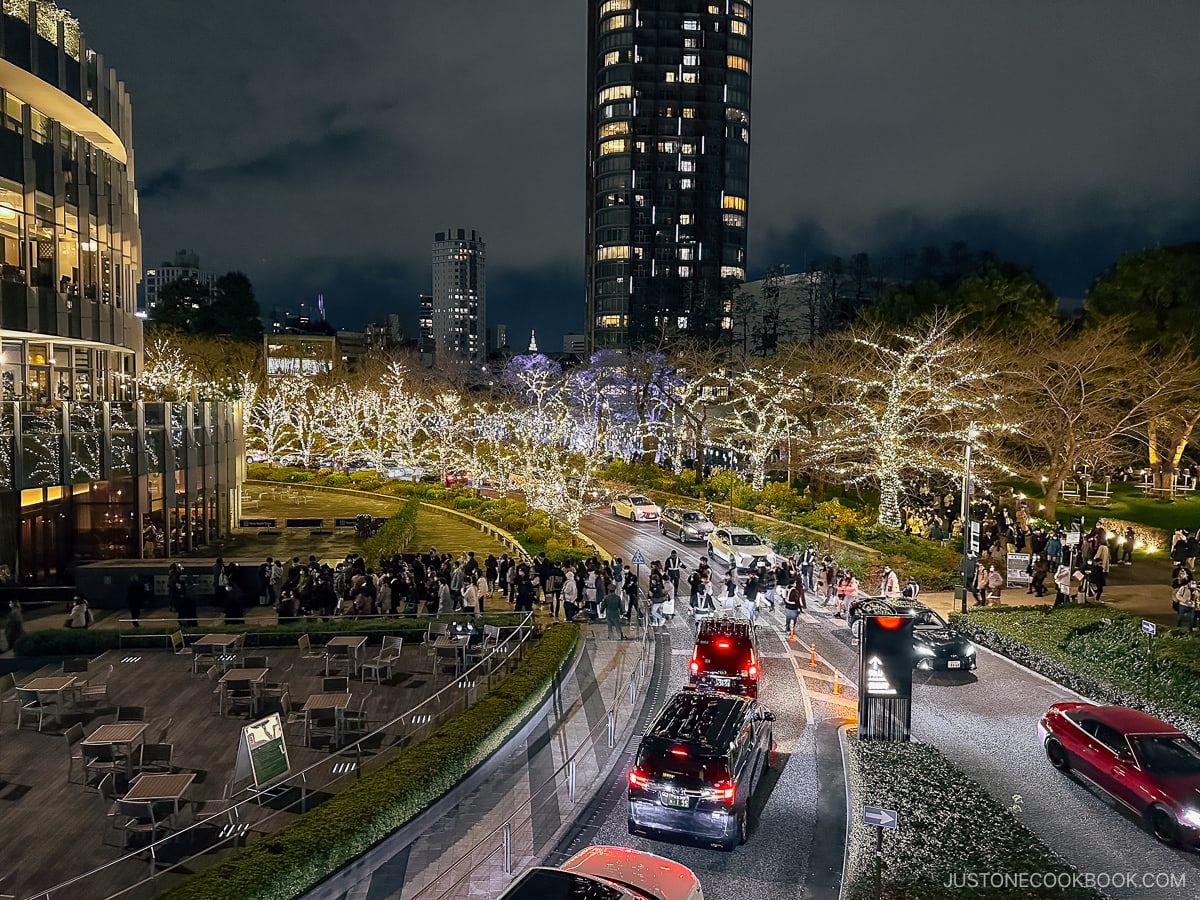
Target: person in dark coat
<point>235,609</point>
<point>135,598</point>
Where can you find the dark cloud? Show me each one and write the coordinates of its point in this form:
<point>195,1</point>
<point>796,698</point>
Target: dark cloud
<point>271,134</point>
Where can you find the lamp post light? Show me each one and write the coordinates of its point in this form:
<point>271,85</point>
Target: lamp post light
<point>967,570</point>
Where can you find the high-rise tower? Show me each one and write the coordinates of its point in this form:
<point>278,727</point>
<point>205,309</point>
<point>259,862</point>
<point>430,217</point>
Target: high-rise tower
<point>668,167</point>
<point>459,296</point>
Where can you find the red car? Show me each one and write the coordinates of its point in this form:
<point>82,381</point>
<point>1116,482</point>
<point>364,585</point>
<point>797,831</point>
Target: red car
<point>1151,767</point>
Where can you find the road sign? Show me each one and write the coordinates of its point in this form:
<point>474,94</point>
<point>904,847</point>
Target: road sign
<point>1149,627</point>
<point>637,559</point>
<point>974,538</point>
<point>882,818</point>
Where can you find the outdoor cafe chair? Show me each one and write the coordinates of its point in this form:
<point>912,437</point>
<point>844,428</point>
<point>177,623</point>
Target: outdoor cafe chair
<point>162,734</point>
<point>75,664</point>
<point>131,714</point>
<point>102,758</point>
<point>239,695</point>
<point>322,722</point>
<point>306,648</point>
<point>255,662</point>
<point>30,702</point>
<point>335,684</point>
<point>138,817</point>
<point>107,791</point>
<point>95,689</point>
<point>180,648</point>
<point>156,758</point>
<point>354,723</point>
<point>8,688</point>
<point>386,661</point>
<point>74,735</point>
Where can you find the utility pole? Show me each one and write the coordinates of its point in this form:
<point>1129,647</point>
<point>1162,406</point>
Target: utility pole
<point>967,573</point>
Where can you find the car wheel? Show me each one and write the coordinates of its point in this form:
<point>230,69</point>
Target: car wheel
<point>613,510</point>
<point>711,555</point>
<point>632,515</point>
<point>630,825</point>
<point>1057,754</point>
<point>662,529</point>
<point>743,828</point>
<point>1165,828</point>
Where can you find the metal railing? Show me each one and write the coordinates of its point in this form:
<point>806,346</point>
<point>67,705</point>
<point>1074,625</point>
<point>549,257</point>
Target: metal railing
<point>229,824</point>
<point>511,836</point>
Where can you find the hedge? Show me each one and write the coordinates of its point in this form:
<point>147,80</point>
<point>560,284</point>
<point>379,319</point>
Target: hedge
<point>949,826</point>
<point>395,535</point>
<point>323,840</point>
<point>80,642</point>
<point>1100,654</point>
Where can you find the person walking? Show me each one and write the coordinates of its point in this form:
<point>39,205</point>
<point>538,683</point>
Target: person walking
<point>673,567</point>
<point>570,594</point>
<point>995,585</point>
<point>847,590</point>
<point>829,579</point>
<point>1127,546</point>
<point>631,598</point>
<point>1187,602</point>
<point>658,593</point>
<point>792,604</point>
<point>135,599</point>
<point>890,587</point>
<point>981,584</point>
<point>612,615</point>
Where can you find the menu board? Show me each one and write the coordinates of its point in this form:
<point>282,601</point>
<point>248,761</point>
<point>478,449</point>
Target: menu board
<point>262,752</point>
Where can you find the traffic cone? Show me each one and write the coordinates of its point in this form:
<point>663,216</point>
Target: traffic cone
<point>837,687</point>
<point>791,636</point>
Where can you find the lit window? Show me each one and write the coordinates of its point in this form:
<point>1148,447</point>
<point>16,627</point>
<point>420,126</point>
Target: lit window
<point>733,114</point>
<point>618,251</point>
<point>741,10</point>
<point>732,202</point>
<point>689,112</point>
<point>688,148</point>
<point>668,147</point>
<point>685,253</point>
<point>616,92</point>
<point>714,10</point>
<point>691,43</point>
<point>681,323</point>
<point>612,58</point>
<point>612,128</point>
<point>733,61</point>
<point>735,220</point>
<point>685,271</point>
<point>738,27</point>
<point>616,22</point>
<point>612,6</point>
<point>691,78</point>
<point>686,184</point>
<point>733,272</point>
<point>691,59</point>
<point>685,218</point>
<point>669,77</point>
<point>618,145</point>
<point>610,321</point>
<point>691,24</point>
<point>687,165</point>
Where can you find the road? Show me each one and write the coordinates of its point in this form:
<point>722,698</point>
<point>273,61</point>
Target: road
<point>986,724</point>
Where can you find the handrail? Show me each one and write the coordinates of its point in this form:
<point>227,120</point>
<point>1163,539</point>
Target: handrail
<point>504,829</point>
<point>295,780</point>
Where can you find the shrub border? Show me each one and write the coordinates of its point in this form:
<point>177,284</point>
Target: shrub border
<point>286,863</point>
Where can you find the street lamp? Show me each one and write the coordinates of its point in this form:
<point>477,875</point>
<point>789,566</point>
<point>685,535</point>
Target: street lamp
<point>967,571</point>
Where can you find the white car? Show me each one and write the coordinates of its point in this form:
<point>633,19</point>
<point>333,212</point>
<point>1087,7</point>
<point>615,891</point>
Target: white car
<point>608,873</point>
<point>739,548</point>
<point>635,508</point>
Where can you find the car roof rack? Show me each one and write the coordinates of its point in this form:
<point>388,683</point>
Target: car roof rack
<point>708,718</point>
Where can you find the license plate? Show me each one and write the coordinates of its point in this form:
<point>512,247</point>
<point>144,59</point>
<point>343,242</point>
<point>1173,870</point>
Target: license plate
<point>721,682</point>
<point>954,664</point>
<point>678,800</point>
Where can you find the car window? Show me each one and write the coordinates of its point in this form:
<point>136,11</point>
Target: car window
<point>639,500</point>
<point>724,536</point>
<point>555,884</point>
<point>682,770</point>
<point>692,517</point>
<point>1166,755</point>
<point>746,540</point>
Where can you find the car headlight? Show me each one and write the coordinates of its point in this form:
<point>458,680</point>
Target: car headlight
<point>922,650</point>
<point>969,650</point>
<point>1189,815</point>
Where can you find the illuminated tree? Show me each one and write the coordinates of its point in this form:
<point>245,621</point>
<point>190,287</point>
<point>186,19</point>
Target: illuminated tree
<point>757,417</point>
<point>907,402</point>
<point>270,430</point>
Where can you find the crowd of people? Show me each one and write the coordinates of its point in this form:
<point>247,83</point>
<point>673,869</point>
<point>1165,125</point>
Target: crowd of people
<point>1185,548</point>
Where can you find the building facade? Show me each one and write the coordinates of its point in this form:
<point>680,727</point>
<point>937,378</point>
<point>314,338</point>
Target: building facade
<point>87,471</point>
<point>668,168</point>
<point>459,305</point>
<point>185,267</point>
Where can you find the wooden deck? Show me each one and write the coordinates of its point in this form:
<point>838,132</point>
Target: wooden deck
<point>55,830</point>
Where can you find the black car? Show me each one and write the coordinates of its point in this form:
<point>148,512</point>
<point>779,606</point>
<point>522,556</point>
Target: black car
<point>725,657</point>
<point>697,766</point>
<point>684,524</point>
<point>935,644</point>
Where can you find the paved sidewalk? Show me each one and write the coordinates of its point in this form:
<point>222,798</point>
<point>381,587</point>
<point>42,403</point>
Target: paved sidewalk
<point>461,855</point>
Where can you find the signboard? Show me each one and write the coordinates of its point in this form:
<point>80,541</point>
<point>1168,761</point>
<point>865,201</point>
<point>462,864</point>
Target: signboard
<point>1073,539</point>
<point>880,817</point>
<point>974,538</point>
<point>1018,569</point>
<point>262,752</point>
<point>637,559</point>
<point>349,522</point>
<point>1149,627</point>
<point>256,523</point>
<point>303,523</point>
<point>885,678</point>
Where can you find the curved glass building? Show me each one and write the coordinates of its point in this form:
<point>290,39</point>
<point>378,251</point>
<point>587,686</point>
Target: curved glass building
<point>668,168</point>
<point>86,471</point>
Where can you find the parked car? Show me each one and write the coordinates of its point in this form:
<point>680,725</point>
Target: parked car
<point>740,549</point>
<point>725,657</point>
<point>453,478</point>
<point>1145,764</point>
<point>635,508</point>
<point>697,766</point>
<point>685,524</point>
<point>935,644</point>
<point>608,873</point>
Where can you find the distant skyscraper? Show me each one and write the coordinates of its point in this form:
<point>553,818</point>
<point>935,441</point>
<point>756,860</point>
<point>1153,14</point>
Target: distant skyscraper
<point>668,168</point>
<point>425,323</point>
<point>459,296</point>
<point>497,337</point>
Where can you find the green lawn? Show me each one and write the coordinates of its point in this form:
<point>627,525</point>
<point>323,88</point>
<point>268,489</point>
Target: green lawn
<point>1128,502</point>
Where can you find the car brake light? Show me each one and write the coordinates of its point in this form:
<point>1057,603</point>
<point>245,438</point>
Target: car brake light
<point>723,644</point>
<point>725,792</point>
<point>695,665</point>
<point>637,779</point>
<point>753,672</point>
<point>679,751</point>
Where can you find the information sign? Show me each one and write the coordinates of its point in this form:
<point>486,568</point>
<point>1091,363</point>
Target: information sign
<point>262,752</point>
<point>1018,569</point>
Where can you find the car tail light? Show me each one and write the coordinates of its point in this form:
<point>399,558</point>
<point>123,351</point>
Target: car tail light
<point>695,665</point>
<point>679,751</point>
<point>722,644</point>
<point>753,671</point>
<point>725,791</point>
<point>637,779</point>
<point>753,664</point>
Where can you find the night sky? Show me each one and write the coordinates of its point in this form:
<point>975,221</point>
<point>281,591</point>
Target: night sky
<point>319,146</point>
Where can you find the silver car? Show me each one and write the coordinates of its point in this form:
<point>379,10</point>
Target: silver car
<point>684,524</point>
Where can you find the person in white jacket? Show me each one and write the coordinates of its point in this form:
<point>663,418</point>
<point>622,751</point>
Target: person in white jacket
<point>1062,584</point>
<point>890,587</point>
<point>570,593</point>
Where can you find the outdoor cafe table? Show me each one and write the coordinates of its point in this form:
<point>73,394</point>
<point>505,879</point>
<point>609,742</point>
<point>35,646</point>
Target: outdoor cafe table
<point>443,645</point>
<point>255,676</point>
<point>352,648</point>
<point>161,788</point>
<point>118,734</point>
<point>335,701</point>
<point>53,684</point>
<point>219,646</point>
